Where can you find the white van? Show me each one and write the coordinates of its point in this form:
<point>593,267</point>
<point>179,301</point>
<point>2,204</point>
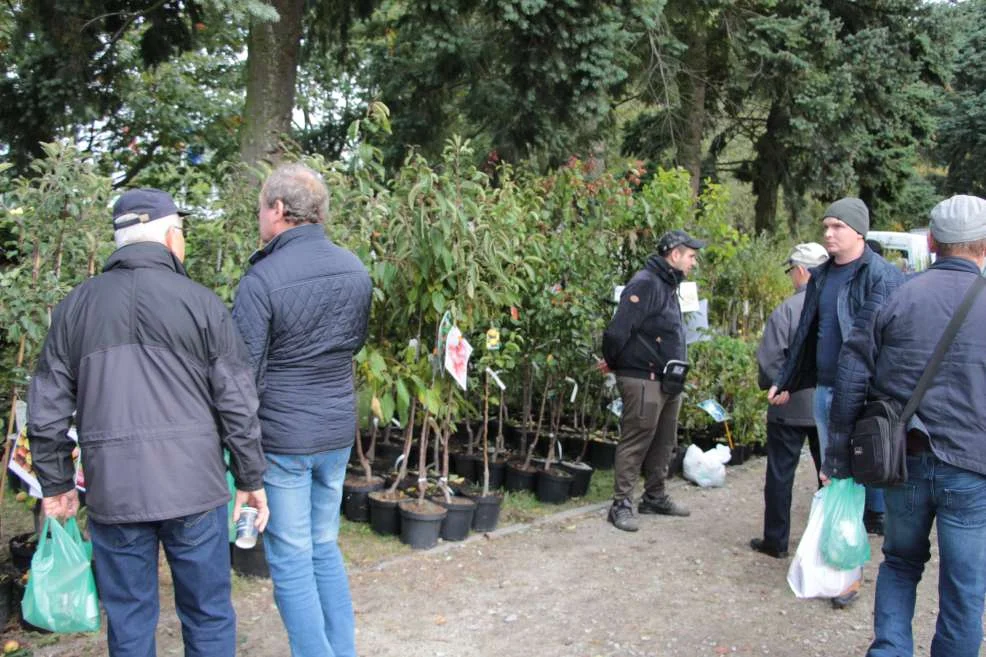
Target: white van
<point>909,251</point>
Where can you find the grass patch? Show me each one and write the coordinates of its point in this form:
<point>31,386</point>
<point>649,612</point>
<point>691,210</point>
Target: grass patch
<point>362,546</point>
<point>524,507</point>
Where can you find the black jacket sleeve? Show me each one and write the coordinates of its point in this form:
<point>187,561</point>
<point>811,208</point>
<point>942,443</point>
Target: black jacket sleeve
<point>637,299</point>
<point>50,404</point>
<point>234,395</point>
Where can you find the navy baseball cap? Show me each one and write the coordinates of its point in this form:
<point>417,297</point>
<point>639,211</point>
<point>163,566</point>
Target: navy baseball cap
<point>675,238</point>
<point>138,206</point>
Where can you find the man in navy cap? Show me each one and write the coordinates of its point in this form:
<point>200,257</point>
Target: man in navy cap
<point>946,442</point>
<point>644,345</point>
<point>161,382</point>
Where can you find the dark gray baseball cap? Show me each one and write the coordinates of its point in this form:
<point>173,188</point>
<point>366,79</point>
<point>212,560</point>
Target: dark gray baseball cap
<point>676,238</point>
<point>959,219</point>
<point>138,206</point>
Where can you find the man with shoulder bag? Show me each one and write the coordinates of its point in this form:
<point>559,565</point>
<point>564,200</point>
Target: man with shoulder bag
<point>925,352</point>
<point>644,345</point>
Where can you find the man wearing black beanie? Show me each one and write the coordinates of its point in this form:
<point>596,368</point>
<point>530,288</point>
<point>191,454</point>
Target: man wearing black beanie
<point>842,293</point>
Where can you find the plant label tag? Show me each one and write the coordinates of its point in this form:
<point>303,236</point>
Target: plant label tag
<point>496,379</point>
<point>688,296</point>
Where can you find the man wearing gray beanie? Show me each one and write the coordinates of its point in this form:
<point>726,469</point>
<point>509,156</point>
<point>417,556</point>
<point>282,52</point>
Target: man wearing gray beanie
<point>845,292</point>
<point>946,441</point>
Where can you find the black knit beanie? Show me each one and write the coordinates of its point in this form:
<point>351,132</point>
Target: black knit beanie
<point>852,212</point>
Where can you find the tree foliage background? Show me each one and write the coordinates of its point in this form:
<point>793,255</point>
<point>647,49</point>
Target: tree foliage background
<point>531,153</point>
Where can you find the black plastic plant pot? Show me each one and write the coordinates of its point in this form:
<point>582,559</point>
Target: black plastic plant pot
<point>463,465</point>
<point>677,460</point>
<point>602,454</point>
<point>385,518</point>
<point>487,513</point>
<point>7,603</point>
<point>250,562</point>
<point>498,472</point>
<point>581,477</point>
<point>738,455</point>
<point>458,520</point>
<point>553,486</point>
<point>518,479</point>
<point>421,523</point>
<point>356,497</point>
<point>22,549</point>
<point>386,455</point>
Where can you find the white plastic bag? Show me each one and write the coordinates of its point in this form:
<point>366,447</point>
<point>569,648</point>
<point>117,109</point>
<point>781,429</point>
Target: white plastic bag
<point>707,469</point>
<point>809,576</point>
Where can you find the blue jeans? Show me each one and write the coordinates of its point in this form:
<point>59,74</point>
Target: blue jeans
<point>955,500</point>
<point>126,560</point>
<point>822,408</point>
<point>304,492</point>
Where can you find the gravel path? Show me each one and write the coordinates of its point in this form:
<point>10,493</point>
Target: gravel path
<point>572,585</point>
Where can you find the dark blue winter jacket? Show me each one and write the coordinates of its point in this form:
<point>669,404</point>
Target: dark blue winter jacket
<point>886,356</point>
<point>302,308</point>
<point>869,288</point>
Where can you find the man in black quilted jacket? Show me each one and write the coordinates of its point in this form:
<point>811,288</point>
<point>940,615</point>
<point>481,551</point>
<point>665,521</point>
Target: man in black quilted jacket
<point>644,336</point>
<point>303,307</point>
<point>844,292</point>
<point>159,377</point>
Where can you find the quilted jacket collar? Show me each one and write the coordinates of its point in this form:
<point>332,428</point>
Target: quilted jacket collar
<point>956,264</point>
<point>302,232</point>
<point>144,255</point>
<point>659,265</point>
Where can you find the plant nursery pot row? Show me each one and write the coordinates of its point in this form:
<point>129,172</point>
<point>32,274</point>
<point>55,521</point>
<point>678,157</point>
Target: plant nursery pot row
<point>250,562</point>
<point>569,479</point>
<point>421,523</point>
<point>355,496</point>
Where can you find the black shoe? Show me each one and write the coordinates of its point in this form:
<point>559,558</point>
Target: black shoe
<point>762,547</point>
<point>664,506</point>
<point>873,522</point>
<point>843,601</point>
<point>621,515</point>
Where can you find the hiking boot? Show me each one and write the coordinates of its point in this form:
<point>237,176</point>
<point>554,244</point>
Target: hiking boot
<point>664,506</point>
<point>764,547</point>
<point>621,515</point>
<point>873,522</point>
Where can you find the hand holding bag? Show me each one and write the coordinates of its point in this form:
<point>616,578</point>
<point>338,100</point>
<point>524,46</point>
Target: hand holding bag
<point>809,576</point>
<point>844,544</point>
<point>61,593</point>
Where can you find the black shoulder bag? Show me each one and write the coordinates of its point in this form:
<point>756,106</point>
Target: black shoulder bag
<point>878,443</point>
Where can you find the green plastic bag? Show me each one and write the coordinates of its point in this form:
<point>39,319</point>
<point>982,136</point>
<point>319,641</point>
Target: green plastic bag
<point>844,542</point>
<point>61,593</point>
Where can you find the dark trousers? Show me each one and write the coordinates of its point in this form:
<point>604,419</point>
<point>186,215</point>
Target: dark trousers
<point>126,560</point>
<point>784,445</point>
<point>648,432</point>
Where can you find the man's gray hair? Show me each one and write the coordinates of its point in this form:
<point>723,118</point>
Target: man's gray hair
<point>975,248</point>
<point>150,231</point>
<point>305,197</point>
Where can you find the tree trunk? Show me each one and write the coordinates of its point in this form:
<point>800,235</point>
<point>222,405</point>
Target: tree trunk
<point>768,170</point>
<point>693,82</point>
<point>272,67</point>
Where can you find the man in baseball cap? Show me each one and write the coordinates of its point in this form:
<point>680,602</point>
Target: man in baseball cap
<point>946,441</point>
<point>644,345</point>
<point>790,424</point>
<point>160,379</point>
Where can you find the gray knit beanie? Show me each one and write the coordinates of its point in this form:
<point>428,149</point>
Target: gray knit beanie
<point>852,212</point>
